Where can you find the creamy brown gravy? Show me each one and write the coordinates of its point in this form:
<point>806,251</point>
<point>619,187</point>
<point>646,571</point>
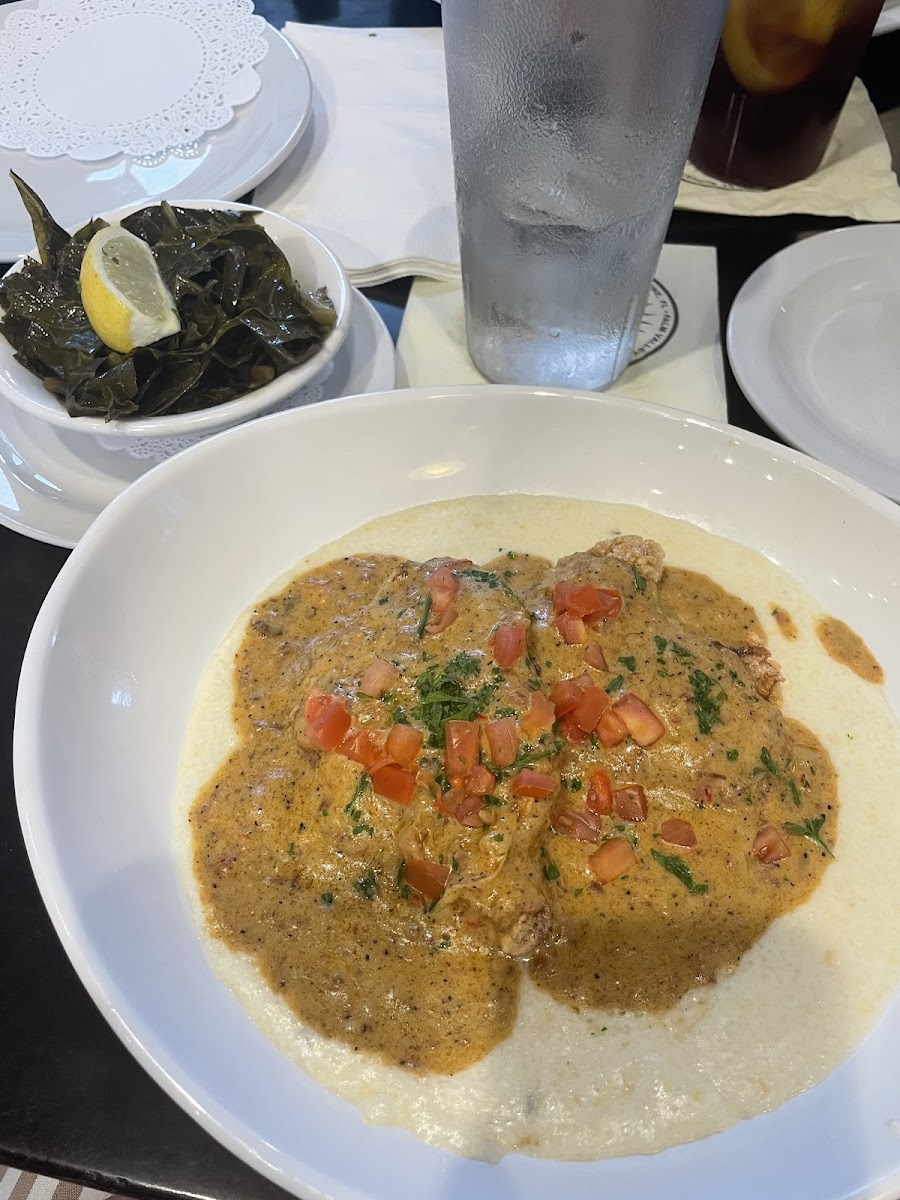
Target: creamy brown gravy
<point>284,877</point>
<point>785,622</point>
<point>848,648</point>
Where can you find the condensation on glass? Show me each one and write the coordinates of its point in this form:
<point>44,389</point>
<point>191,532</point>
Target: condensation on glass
<point>571,121</point>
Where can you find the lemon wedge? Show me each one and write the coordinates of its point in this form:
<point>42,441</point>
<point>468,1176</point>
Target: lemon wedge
<point>124,296</point>
<point>771,47</point>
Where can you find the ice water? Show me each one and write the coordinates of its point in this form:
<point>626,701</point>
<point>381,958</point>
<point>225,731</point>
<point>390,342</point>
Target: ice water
<point>571,121</point>
<point>554,303</point>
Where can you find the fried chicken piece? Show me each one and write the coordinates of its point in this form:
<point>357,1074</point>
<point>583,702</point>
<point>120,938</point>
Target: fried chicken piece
<point>639,552</point>
<point>759,665</point>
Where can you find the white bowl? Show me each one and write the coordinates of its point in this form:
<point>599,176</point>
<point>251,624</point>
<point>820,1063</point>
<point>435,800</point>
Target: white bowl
<point>314,266</point>
<point>140,608</point>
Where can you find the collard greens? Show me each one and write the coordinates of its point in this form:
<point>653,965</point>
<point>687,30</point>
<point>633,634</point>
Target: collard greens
<point>244,320</point>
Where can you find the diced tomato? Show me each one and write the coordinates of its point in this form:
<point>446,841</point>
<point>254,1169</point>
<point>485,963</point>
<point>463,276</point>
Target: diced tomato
<point>565,696</point>
<point>503,740</point>
<point>769,846</point>
<point>571,730</point>
<point>580,824</point>
<point>533,784</point>
<point>448,802</point>
<point>599,797</point>
<point>426,879</point>
<point>678,833</point>
<point>630,803</point>
<point>572,630</point>
<point>641,722</point>
<point>577,599</point>
<point>610,606</point>
<point>367,747</point>
<point>479,781</point>
<point>443,587</point>
<point>539,718</point>
<point>438,622</point>
<point>468,811</point>
<point>460,747</point>
<point>612,859</point>
<point>593,704</point>
<point>584,680</point>
<point>327,719</point>
<point>403,744</point>
<point>610,729</point>
<point>594,657</point>
<point>394,784</point>
<point>507,644</point>
<point>378,677</point>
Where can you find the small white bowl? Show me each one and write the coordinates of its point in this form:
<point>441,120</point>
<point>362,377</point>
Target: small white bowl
<point>314,266</point>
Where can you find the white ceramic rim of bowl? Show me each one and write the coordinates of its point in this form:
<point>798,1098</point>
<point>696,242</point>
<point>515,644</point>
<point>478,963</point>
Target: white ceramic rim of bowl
<point>208,420</point>
<point>728,458</point>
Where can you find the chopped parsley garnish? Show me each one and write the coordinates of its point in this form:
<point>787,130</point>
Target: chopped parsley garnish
<point>399,717</point>
<point>351,808</point>
<point>498,837</point>
<point>639,581</point>
<point>731,755</point>
<point>795,794</point>
<point>551,870</point>
<point>595,741</point>
<point>423,620</point>
<point>368,885</point>
<point>443,943</point>
<point>530,753</point>
<point>492,580</point>
<point>360,829</point>
<point>292,849</point>
<point>454,865</point>
<point>661,644</point>
<point>628,661</point>
<point>736,679</point>
<point>572,785</point>
<point>706,704</point>
<point>506,712</point>
<point>328,898</point>
<point>680,651</point>
<point>534,684</point>
<point>614,685</point>
<point>811,829</point>
<point>382,600</point>
<point>678,867</point>
<point>443,696</point>
<point>578,891</point>
<point>768,762</point>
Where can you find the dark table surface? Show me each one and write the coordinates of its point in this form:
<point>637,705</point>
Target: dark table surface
<point>73,1103</point>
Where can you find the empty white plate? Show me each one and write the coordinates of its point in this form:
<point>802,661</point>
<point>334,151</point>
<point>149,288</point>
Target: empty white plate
<point>814,344</point>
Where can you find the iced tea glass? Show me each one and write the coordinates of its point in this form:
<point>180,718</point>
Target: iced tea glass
<point>779,81</point>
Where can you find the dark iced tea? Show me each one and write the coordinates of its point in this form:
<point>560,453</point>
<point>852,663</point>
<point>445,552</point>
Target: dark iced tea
<point>781,75</point>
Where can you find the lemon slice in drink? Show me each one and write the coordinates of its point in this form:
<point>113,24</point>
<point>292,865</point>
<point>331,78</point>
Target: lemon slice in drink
<point>124,295</point>
<point>773,45</point>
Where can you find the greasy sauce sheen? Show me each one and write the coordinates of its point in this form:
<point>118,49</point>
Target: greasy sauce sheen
<point>300,864</point>
<point>847,647</point>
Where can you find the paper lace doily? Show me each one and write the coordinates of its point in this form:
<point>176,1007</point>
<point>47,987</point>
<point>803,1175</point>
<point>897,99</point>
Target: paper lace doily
<point>157,450</point>
<point>94,78</point>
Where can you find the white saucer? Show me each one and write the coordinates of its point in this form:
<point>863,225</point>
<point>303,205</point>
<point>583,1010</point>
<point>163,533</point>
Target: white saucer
<point>224,166</point>
<point>53,484</point>
<point>813,342</point>
<point>889,20</point>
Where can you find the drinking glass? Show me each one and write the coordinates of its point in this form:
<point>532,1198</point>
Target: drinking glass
<point>779,81</point>
<point>571,122</point>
